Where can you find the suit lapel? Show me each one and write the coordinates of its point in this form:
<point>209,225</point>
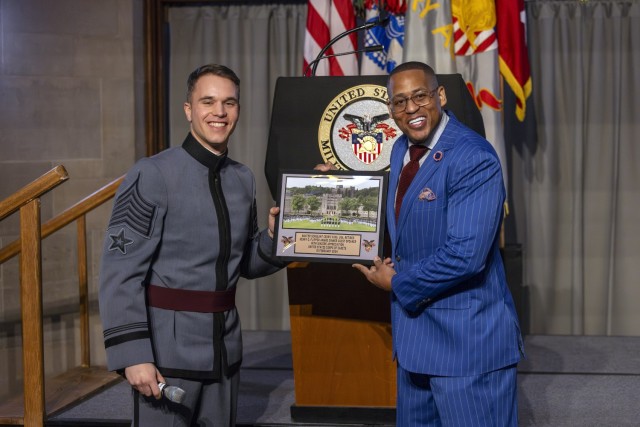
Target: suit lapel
<point>397,156</point>
<point>431,165</point>
<point>426,171</point>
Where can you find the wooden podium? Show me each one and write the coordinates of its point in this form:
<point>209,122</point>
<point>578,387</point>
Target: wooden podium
<point>341,345</point>
<point>340,323</point>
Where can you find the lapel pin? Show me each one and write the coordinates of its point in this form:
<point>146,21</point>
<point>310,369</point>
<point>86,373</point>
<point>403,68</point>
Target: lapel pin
<point>437,156</point>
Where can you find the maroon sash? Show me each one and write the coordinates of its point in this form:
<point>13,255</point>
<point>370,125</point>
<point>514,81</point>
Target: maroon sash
<point>186,300</point>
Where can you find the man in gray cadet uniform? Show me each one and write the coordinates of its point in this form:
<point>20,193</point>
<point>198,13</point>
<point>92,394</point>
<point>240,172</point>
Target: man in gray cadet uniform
<point>182,231</point>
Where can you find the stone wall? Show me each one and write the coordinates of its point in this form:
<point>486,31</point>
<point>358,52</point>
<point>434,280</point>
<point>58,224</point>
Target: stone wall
<point>71,93</point>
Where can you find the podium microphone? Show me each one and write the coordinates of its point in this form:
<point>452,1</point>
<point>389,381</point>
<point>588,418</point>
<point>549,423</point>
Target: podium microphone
<point>171,392</point>
<point>374,48</point>
<point>368,25</point>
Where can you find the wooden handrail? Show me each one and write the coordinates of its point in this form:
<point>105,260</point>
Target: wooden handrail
<point>67,216</point>
<point>35,189</point>
<point>27,200</point>
<point>31,311</point>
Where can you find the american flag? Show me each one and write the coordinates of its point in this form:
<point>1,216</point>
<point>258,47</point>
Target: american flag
<point>325,20</point>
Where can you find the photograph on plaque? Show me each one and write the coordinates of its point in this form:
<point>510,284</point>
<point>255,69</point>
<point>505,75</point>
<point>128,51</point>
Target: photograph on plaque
<point>335,216</point>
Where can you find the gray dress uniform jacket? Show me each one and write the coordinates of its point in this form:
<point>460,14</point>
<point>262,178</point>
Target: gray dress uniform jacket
<point>184,219</point>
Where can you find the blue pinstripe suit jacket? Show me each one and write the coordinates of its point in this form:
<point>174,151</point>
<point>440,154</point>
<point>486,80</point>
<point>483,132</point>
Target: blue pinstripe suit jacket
<point>452,312</point>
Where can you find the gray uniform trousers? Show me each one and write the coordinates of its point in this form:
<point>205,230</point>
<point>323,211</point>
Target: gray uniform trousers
<point>206,404</point>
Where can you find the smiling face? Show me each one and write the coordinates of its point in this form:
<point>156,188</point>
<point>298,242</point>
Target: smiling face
<point>417,122</point>
<point>213,111</point>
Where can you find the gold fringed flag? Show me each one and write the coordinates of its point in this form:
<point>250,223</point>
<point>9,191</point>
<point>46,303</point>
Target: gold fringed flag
<point>512,51</point>
<point>476,55</point>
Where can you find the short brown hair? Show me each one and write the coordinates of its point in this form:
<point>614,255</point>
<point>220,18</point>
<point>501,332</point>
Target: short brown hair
<point>215,69</point>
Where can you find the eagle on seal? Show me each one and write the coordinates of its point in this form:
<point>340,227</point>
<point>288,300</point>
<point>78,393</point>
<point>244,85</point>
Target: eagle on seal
<point>366,124</point>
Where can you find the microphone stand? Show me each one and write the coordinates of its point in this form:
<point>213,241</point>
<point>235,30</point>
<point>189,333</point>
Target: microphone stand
<point>341,35</point>
<point>374,48</point>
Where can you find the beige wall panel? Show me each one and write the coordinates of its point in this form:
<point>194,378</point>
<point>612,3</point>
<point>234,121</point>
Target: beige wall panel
<point>45,119</point>
<point>94,55</point>
<point>49,54</point>
<point>78,17</point>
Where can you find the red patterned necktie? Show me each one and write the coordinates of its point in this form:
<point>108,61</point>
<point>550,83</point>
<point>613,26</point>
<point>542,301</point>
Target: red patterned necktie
<point>416,151</point>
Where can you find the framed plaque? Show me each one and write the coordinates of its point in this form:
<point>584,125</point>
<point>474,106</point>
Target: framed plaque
<point>335,216</point>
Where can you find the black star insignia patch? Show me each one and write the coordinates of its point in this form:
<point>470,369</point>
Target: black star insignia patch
<point>119,241</point>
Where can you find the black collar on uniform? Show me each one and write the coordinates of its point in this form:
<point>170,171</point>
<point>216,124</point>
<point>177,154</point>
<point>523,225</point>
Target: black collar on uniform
<point>201,154</point>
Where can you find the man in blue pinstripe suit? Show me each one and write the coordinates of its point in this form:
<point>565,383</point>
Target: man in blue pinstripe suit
<point>456,337</point>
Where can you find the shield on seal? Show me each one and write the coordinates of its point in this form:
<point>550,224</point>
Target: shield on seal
<point>367,146</point>
<point>366,138</point>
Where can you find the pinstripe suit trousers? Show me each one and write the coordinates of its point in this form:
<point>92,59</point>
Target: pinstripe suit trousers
<point>485,400</point>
